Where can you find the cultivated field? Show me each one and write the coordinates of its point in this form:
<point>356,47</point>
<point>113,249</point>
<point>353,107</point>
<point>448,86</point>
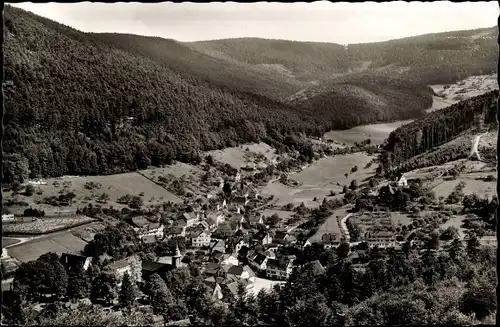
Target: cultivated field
<point>178,169</point>
<point>87,232</point>
<point>237,156</point>
<point>45,225</point>
<point>319,178</point>
<point>400,219</point>
<point>61,242</point>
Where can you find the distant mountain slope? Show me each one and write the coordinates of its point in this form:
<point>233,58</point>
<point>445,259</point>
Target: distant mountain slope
<point>434,58</point>
<point>429,59</point>
<point>365,98</point>
<point>305,60</point>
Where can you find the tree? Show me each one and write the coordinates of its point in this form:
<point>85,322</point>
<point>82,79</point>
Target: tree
<point>354,184</point>
<point>29,190</point>
<point>226,189</point>
<point>136,202</point>
<point>79,285</point>
<point>473,247</point>
<point>480,300</point>
<point>104,287</point>
<point>13,312</point>
<point>344,189</point>
<point>224,231</point>
<point>127,292</point>
<point>103,198</point>
<point>450,233</point>
<point>273,220</point>
<point>343,249</point>
<point>433,241</point>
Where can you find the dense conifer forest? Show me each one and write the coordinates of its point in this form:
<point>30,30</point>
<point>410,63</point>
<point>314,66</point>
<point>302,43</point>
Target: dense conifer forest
<point>85,104</point>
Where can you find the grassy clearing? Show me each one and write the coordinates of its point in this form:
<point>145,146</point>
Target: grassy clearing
<point>319,178</point>
<point>455,221</point>
<point>481,188</point>
<point>236,156</point>
<point>178,169</point>
<point>62,242</point>
<point>114,186</point>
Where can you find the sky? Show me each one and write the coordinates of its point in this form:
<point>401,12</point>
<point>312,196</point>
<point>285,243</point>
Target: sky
<point>319,21</point>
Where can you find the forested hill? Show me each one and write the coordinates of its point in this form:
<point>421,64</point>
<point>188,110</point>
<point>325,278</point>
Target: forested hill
<point>429,59</point>
<point>378,98</point>
<point>439,127</point>
<point>304,60</point>
<point>82,105</point>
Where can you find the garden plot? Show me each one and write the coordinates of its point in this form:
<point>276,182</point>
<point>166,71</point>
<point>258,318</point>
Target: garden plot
<point>62,242</point>
<point>45,225</point>
<point>331,225</point>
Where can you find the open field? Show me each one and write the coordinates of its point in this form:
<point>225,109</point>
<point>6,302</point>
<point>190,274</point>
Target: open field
<point>87,232</point>
<point>320,178</point>
<point>481,188</point>
<point>331,225</point>
<point>114,186</point>
<point>60,242</point>
<point>45,225</point>
<point>236,156</point>
<point>178,169</point>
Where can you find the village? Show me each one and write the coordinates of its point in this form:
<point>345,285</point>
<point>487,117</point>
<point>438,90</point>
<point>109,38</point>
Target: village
<point>236,234</point>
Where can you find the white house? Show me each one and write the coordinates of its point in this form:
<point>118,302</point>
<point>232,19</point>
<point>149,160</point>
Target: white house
<point>200,238</point>
<point>258,261</point>
<point>132,265</point>
<point>239,245</point>
<point>229,259</point>
<point>403,182</point>
<point>279,269</point>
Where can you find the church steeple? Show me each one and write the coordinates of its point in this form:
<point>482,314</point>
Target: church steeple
<point>177,256</point>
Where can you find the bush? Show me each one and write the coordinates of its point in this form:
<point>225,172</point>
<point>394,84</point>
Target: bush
<point>29,190</point>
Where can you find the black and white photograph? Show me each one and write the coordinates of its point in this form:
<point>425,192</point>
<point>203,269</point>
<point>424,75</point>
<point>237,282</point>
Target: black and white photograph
<point>249,163</point>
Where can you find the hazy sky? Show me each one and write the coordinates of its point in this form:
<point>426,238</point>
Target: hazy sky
<point>320,21</point>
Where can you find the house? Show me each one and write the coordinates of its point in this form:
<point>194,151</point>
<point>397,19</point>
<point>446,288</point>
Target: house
<point>146,228</point>
<point>162,264</point>
<point>244,272</point>
<point>7,218</point>
<point>316,266</point>
<point>238,203</point>
<point>331,240</point>
<point>258,261</point>
<point>188,219</point>
<point>215,269</point>
<point>241,243</point>
<point>270,253</point>
<point>177,231</point>
<point>212,195</point>
<point>237,217</point>
<point>280,269</point>
<point>200,238</point>
<point>254,219</point>
<point>380,239</point>
<point>403,182</point>
<point>74,261</point>
<point>264,238</point>
<point>229,259</point>
<point>218,245</point>
<point>132,265</point>
<point>217,292</point>
<point>222,205</point>
<point>237,177</point>
<point>214,219</point>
